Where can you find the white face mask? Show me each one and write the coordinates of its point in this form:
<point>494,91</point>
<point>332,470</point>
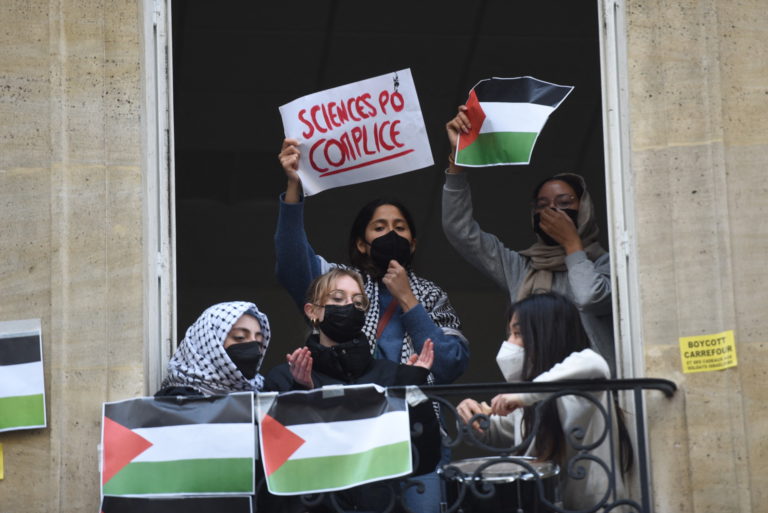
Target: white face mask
<point>510,359</point>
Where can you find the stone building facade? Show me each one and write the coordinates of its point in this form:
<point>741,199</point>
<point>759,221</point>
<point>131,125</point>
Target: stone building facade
<point>693,86</point>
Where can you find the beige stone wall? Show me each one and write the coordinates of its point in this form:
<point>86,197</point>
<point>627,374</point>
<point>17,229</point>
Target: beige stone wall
<point>71,237</point>
<point>698,78</point>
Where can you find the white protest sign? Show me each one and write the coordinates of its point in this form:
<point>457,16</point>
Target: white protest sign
<point>358,132</point>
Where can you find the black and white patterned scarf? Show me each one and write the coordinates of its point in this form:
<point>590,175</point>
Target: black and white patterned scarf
<point>432,297</point>
<point>200,362</point>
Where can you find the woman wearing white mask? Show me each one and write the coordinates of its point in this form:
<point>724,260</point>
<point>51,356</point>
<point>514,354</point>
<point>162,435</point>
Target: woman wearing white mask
<point>547,342</point>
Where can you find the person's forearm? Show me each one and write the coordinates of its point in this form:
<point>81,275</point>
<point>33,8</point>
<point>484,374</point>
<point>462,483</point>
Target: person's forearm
<point>292,192</point>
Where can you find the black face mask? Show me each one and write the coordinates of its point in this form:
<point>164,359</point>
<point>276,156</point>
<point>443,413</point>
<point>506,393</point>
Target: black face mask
<point>246,357</point>
<point>342,323</point>
<point>545,238</point>
<point>390,247</point>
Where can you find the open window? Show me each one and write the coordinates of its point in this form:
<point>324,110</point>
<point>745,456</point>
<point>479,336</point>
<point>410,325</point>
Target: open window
<point>233,67</point>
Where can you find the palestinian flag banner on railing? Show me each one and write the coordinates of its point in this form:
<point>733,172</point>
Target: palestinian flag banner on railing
<point>507,115</point>
<point>176,505</point>
<point>22,386</point>
<point>156,447</point>
<point>332,438</point>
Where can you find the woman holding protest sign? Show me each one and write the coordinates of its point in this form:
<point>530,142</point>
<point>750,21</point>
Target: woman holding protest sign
<point>405,309</point>
<point>566,257</point>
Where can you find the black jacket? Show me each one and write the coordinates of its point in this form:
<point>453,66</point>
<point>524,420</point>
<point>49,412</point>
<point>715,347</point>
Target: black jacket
<point>352,364</point>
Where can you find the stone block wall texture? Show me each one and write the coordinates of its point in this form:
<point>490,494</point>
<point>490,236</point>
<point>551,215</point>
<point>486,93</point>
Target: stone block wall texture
<point>71,238</point>
<point>698,89</point>
<point>71,247</point>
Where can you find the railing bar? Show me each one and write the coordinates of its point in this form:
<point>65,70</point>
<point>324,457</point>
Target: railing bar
<point>662,385</point>
<point>641,449</point>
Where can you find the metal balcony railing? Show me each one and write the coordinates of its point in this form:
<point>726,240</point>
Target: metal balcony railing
<point>500,478</point>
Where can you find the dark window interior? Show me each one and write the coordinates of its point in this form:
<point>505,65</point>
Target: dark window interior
<point>236,62</point>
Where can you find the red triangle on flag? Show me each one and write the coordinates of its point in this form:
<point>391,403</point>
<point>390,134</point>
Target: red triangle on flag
<point>279,443</point>
<point>476,116</point>
<point>121,446</point>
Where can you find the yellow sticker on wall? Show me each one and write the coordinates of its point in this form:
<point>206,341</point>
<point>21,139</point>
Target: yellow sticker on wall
<point>708,352</point>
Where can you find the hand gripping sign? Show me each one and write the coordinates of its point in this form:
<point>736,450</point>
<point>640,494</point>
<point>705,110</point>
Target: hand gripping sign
<point>358,132</point>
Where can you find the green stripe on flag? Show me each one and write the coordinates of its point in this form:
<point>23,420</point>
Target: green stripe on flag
<point>499,148</point>
<point>22,410</point>
<point>223,475</point>
<point>337,472</point>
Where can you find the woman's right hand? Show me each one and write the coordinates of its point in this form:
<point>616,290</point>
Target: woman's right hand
<point>468,408</point>
<point>289,159</point>
<point>300,363</point>
<point>455,127</point>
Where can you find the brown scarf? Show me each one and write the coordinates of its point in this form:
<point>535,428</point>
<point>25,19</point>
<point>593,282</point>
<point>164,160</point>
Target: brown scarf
<point>546,260</point>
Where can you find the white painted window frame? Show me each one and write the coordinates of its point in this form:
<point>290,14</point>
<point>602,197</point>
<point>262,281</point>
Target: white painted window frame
<point>159,205</point>
<point>619,181</point>
<point>620,189</point>
<point>159,202</point>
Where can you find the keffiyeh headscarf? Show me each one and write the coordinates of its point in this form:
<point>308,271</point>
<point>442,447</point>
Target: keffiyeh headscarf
<point>548,259</point>
<point>201,362</point>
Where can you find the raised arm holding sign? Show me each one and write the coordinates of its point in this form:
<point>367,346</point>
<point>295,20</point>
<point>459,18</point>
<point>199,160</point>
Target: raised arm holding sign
<point>357,132</point>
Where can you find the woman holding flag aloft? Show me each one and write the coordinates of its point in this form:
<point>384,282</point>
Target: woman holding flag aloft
<point>566,258</point>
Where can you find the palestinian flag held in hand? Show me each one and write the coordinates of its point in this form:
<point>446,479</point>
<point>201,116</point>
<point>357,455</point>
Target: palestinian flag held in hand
<point>176,505</point>
<point>332,438</point>
<point>163,447</point>
<point>507,115</point>
<point>22,389</point>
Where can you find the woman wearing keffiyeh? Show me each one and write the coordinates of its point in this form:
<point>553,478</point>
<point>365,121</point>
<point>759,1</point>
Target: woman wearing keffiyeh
<point>405,309</point>
<point>221,352</point>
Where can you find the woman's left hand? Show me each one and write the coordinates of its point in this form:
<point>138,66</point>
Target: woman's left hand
<point>560,227</point>
<point>504,404</point>
<point>426,357</point>
<point>396,281</point>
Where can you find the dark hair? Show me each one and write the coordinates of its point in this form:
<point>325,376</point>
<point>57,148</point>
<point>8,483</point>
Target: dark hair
<point>571,180</point>
<point>364,216</point>
<point>551,330</point>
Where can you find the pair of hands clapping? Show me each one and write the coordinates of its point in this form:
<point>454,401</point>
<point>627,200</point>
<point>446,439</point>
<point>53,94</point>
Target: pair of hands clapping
<point>300,362</point>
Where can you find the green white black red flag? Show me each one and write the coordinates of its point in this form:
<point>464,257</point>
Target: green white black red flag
<point>22,387</point>
<point>507,115</point>
<point>157,447</point>
<point>332,438</point>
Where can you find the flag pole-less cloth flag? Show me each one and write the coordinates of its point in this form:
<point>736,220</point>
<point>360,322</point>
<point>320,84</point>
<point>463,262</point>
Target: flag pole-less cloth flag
<point>332,438</point>
<point>22,389</point>
<point>163,447</point>
<point>507,115</point>
<point>226,504</point>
